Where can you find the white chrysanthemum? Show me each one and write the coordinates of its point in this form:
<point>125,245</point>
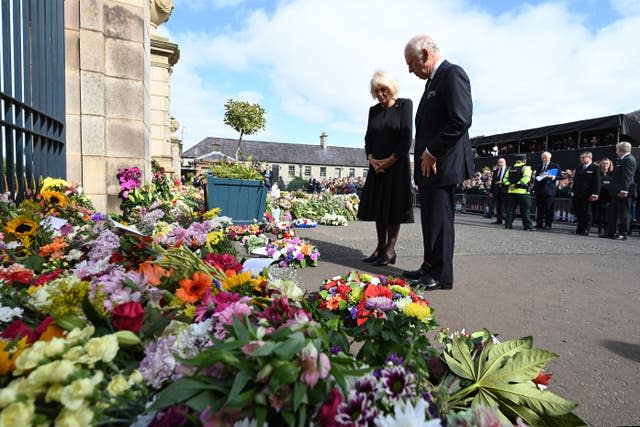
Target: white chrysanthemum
<point>191,340</point>
<point>402,302</point>
<point>409,416</point>
<point>7,314</point>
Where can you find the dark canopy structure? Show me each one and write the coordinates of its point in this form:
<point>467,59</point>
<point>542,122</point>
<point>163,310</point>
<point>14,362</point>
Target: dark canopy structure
<point>626,125</point>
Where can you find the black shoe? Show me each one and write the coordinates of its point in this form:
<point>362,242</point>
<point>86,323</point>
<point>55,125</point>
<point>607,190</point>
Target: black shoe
<point>496,222</point>
<point>619,237</point>
<point>384,259</point>
<point>415,274</point>
<point>547,227</point>
<point>606,236</point>
<point>428,283</point>
<point>373,257</point>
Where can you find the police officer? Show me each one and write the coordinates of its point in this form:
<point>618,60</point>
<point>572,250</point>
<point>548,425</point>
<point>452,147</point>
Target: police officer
<point>517,181</point>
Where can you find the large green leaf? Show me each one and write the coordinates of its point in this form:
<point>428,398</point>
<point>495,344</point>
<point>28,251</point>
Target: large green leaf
<point>566,420</point>
<point>527,415</point>
<point>241,380</point>
<point>457,367</point>
<point>493,355</point>
<point>179,391</point>
<point>528,394</point>
<point>523,366</point>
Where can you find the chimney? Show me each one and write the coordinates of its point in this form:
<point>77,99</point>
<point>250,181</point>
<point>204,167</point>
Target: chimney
<point>323,140</point>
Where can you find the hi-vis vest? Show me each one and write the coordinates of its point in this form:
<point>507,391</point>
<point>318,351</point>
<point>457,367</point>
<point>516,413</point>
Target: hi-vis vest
<point>517,178</point>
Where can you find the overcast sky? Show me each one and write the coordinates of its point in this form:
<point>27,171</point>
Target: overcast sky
<point>309,62</point>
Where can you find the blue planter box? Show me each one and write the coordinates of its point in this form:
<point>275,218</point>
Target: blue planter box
<point>242,200</point>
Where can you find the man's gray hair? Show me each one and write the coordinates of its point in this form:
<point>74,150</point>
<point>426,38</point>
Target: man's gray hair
<point>587,153</point>
<point>546,154</point>
<point>623,146</point>
<point>420,42</point>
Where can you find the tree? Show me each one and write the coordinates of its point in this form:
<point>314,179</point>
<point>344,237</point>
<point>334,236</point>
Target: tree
<point>245,118</point>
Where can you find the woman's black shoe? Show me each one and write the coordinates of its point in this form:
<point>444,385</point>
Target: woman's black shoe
<point>374,256</point>
<point>384,259</point>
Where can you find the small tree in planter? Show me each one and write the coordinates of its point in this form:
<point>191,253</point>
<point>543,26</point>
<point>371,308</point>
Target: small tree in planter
<point>245,118</point>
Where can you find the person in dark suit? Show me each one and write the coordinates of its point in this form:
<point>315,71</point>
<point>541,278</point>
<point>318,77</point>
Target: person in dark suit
<point>545,191</point>
<point>586,190</point>
<point>498,192</point>
<point>442,155</point>
<point>604,198</point>
<point>622,189</point>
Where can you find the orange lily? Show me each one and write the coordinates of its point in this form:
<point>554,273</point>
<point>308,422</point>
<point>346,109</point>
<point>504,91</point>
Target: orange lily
<point>153,272</point>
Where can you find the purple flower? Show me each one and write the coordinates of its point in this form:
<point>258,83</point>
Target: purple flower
<point>398,384</point>
<point>394,359</point>
<point>158,364</point>
<point>379,303</point>
<point>354,312</point>
<point>357,411</point>
<point>96,217</point>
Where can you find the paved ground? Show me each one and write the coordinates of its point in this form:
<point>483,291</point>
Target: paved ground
<point>577,296</point>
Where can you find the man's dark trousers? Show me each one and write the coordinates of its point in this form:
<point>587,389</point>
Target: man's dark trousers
<point>438,233</point>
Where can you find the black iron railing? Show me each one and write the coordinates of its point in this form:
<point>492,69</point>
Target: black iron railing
<point>32,103</point>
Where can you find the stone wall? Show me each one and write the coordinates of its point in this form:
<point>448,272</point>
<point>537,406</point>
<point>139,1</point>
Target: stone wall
<point>107,53</point>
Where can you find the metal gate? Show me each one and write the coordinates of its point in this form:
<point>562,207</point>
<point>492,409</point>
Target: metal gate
<point>32,103</point>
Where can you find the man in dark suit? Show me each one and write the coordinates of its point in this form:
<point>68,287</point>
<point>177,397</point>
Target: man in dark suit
<point>622,189</point>
<point>442,155</point>
<point>544,187</point>
<point>498,192</point>
<point>586,188</point>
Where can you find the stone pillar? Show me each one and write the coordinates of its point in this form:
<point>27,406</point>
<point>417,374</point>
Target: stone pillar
<point>164,56</point>
<point>107,75</point>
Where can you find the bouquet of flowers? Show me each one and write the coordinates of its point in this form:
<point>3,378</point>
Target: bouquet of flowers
<point>304,223</point>
<point>384,313</point>
<point>293,252</point>
<point>333,219</point>
<point>237,232</point>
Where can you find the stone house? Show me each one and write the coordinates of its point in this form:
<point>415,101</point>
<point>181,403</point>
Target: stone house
<point>287,160</point>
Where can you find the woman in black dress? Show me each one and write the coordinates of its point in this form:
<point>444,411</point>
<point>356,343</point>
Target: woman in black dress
<point>386,196</point>
<point>604,199</point>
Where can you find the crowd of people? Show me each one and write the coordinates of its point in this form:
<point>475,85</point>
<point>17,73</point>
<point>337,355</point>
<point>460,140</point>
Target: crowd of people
<point>602,192</point>
<point>555,143</point>
<point>347,185</point>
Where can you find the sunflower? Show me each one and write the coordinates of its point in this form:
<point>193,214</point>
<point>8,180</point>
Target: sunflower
<point>242,283</point>
<point>21,227</point>
<point>54,197</point>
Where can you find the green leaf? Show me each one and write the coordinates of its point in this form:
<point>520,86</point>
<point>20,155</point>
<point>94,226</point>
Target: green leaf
<point>493,355</point>
<point>102,325</point>
<point>240,330</point>
<point>566,420</point>
<point>527,415</point>
<point>289,348</point>
<point>206,399</point>
<point>177,392</point>
<point>34,262</point>
<point>213,355</point>
<point>528,394</point>
<point>261,415</point>
<point>461,351</point>
<point>265,350</point>
<point>457,367</point>
<point>286,373</point>
<point>299,395</point>
<point>523,366</point>
<point>240,381</point>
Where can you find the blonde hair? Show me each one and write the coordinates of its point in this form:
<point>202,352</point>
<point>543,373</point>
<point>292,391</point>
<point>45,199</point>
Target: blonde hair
<point>383,79</point>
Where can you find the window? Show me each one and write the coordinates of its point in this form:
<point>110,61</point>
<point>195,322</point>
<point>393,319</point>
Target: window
<point>323,172</point>
<point>292,170</point>
<point>352,172</point>
<point>307,171</point>
<point>338,172</point>
<point>364,173</point>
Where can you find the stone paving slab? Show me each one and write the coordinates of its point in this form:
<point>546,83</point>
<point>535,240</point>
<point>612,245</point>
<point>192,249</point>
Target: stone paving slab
<point>578,296</point>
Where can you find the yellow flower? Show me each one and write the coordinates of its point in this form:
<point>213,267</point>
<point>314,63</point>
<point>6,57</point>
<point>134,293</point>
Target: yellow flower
<point>103,348</point>
<point>77,335</point>
<point>21,227</point>
<point>30,357</point>
<point>74,353</point>
<point>419,311</point>
<point>53,183</point>
<point>55,372</point>
<point>189,310</point>
<point>135,377</point>
<point>54,197</point>
<point>54,393</point>
<point>213,213</point>
<point>8,357</point>
<point>17,414</point>
<point>118,385</point>
<point>78,418</point>
<point>72,396</point>
<point>7,396</point>
<point>241,281</point>
<point>213,238</point>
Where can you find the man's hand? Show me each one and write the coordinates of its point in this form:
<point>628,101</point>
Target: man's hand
<point>428,165</point>
<point>622,195</point>
<point>592,198</point>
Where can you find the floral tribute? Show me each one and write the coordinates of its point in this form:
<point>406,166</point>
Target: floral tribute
<point>299,205</point>
<point>157,323</point>
<point>293,253</point>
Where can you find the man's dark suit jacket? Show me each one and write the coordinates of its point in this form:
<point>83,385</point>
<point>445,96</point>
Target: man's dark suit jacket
<point>546,187</point>
<point>495,188</point>
<point>623,177</point>
<point>443,119</point>
<point>586,182</point>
